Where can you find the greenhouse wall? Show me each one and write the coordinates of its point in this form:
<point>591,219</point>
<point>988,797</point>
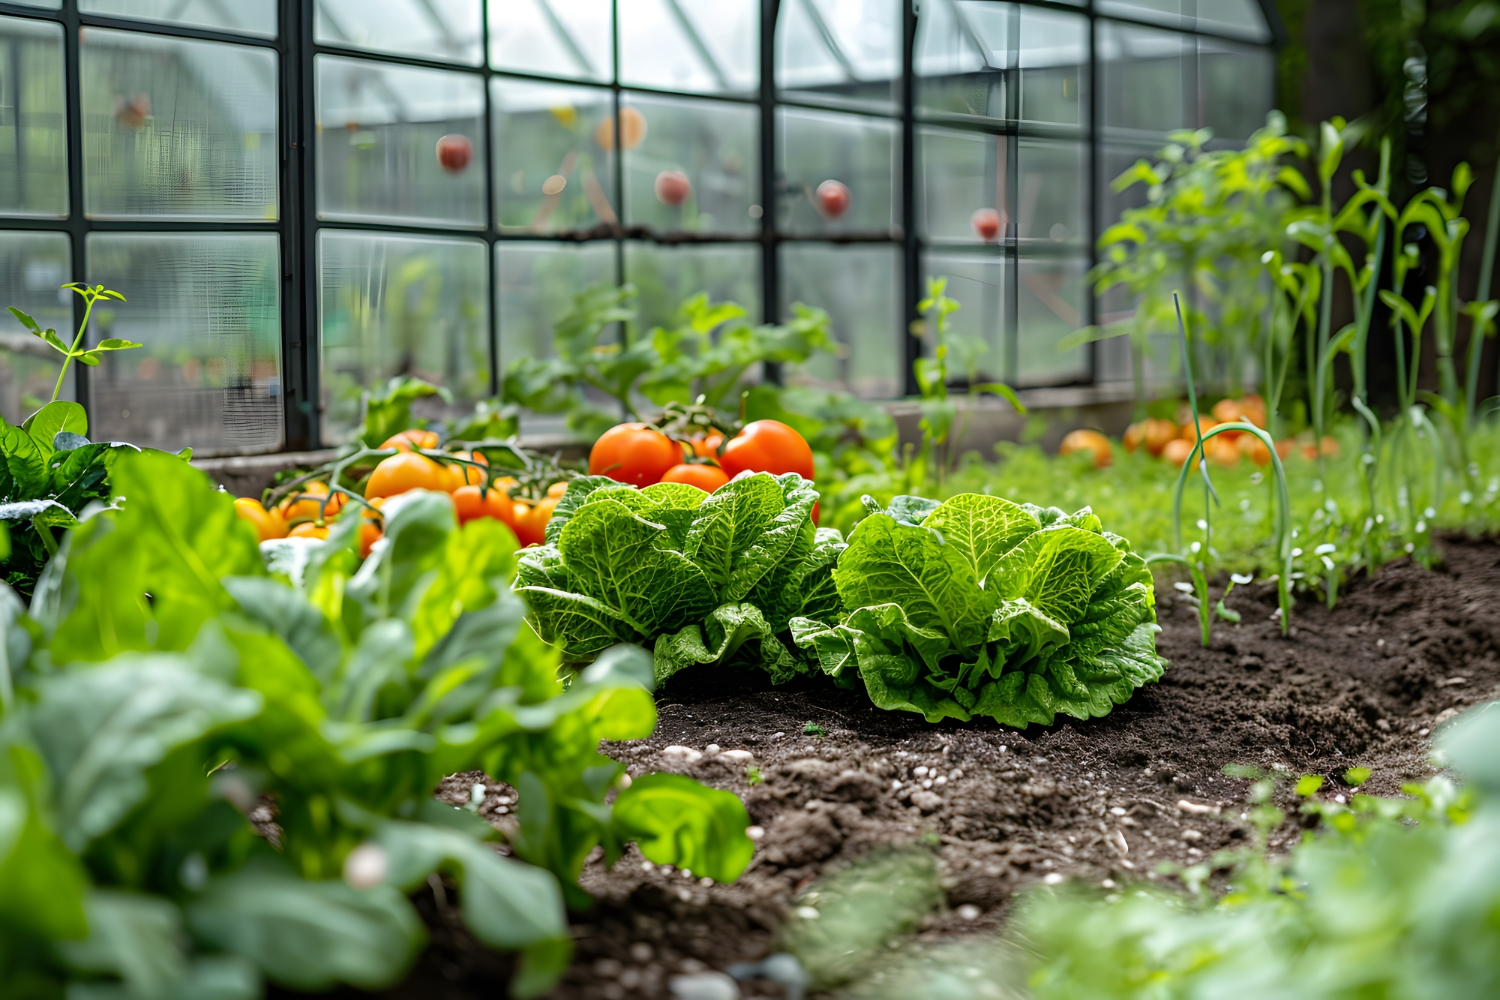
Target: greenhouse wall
<point>299,199</point>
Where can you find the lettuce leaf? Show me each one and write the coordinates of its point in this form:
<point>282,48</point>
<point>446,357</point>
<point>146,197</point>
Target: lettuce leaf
<point>698,578</point>
<point>980,606</point>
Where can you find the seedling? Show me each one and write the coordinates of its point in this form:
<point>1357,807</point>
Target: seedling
<point>813,729</point>
<point>89,356</point>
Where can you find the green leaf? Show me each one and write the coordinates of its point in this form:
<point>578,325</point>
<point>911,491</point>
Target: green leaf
<point>388,408</point>
<point>113,344</point>
<point>1356,776</point>
<point>579,492</point>
<point>1308,785</point>
<point>477,564</point>
<point>677,821</point>
<point>42,883</point>
<point>720,636</point>
<point>308,935</point>
<point>288,615</point>
<point>507,904</point>
<point>982,528</point>
<point>134,937</point>
<point>101,729</point>
<point>25,474</point>
<point>56,418</point>
<point>25,320</point>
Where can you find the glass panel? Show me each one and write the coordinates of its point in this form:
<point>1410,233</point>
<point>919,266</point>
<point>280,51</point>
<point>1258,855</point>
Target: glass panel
<point>844,51</point>
<point>1050,306</point>
<point>1236,87</point>
<point>178,128</point>
<point>208,309</point>
<point>1052,192</point>
<point>1115,160</point>
<point>44,4</point>
<point>554,160</point>
<point>666,276</point>
<point>839,173</point>
<point>33,267</point>
<point>712,145</point>
<point>860,288</point>
<point>1160,11</point>
<point>400,305</point>
<point>535,285</point>
<point>1242,17</point>
<point>963,185</point>
<point>978,283</point>
<point>962,50</point>
<point>1143,78</point>
<point>33,133</point>
<point>1054,65</point>
<point>400,144</point>
<point>433,29</point>
<point>570,38</point>
<point>706,46</point>
<point>245,17</point>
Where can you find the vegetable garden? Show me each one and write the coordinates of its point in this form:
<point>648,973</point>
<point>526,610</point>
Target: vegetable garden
<point>759,699</point>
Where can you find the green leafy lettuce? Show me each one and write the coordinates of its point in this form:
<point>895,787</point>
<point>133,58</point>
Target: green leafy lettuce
<point>700,578</point>
<point>979,606</point>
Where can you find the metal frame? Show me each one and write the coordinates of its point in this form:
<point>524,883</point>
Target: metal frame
<point>299,225</point>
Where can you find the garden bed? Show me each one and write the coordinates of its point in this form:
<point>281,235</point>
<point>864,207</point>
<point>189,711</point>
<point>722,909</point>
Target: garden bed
<point>1360,685</point>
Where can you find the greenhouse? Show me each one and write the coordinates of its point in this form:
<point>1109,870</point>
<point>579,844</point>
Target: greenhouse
<point>749,499</point>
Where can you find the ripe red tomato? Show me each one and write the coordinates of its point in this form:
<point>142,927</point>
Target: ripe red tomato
<point>833,198</point>
<point>767,446</point>
<point>634,454</point>
<point>706,477</point>
<point>986,223</point>
<point>454,153</point>
<point>531,529</point>
<point>707,445</point>
<point>672,187</point>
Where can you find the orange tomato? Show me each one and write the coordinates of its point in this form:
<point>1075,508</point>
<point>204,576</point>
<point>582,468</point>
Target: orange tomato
<point>1284,448</point>
<point>1221,451</point>
<point>706,477</point>
<point>1135,436</point>
<point>1227,410</point>
<point>767,446</point>
<point>1158,433</point>
<point>466,475</point>
<point>557,489</point>
<point>309,529</point>
<point>1253,409</point>
<point>310,502</point>
<point>470,502</point>
<point>369,534</point>
<point>1254,449</point>
<point>1204,424</point>
<point>1329,447</point>
<point>405,471</point>
<point>532,529</point>
<point>1177,451</point>
<point>707,445</point>
<point>268,524</point>
<point>1090,441</point>
<point>633,453</point>
<point>412,438</point>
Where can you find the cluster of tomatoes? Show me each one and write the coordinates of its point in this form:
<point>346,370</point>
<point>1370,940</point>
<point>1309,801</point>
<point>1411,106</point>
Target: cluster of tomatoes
<point>641,455</point>
<point>1173,440</point>
<point>630,453</point>
<point>306,513</point>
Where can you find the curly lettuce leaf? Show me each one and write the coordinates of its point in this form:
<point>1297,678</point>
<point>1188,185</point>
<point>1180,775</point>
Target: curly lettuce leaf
<point>724,632</point>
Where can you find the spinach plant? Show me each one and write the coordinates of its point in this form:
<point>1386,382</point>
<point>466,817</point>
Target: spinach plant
<point>700,578</point>
<point>982,607</point>
<point>218,762</point>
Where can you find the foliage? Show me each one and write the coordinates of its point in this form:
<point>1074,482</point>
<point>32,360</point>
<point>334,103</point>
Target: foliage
<point>980,606</point>
<point>703,358</point>
<point>700,578</point>
<point>87,356</point>
<point>171,676</point>
<point>1389,898</point>
<point>51,474</point>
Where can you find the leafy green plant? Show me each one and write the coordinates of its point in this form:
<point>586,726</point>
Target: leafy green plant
<point>87,356</point>
<point>327,697</point>
<point>699,578</point>
<point>980,606</point>
<point>703,358</point>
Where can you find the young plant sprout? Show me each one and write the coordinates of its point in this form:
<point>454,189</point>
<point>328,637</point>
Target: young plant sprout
<point>89,356</point>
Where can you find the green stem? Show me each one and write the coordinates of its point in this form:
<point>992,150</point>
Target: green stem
<point>72,351</point>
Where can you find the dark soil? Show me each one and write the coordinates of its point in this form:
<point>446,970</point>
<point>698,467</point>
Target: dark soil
<point>1108,798</point>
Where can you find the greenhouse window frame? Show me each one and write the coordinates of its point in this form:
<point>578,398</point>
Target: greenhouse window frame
<point>299,224</point>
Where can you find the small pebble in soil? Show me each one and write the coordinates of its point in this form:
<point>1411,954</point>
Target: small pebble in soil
<point>1108,883</point>
<point>366,866</point>
<point>1116,811</point>
<point>807,912</point>
<point>1053,878</point>
<point>686,753</point>
<point>755,832</point>
<point>1191,835</point>
<point>712,748</point>
<point>940,780</point>
<point>968,911</point>
<point>642,952</point>
<point>956,773</point>
<point>607,968</point>
<point>777,736</point>
<point>704,986</point>
<point>647,867</point>
<point>738,756</point>
<point>895,784</point>
<point>920,772</point>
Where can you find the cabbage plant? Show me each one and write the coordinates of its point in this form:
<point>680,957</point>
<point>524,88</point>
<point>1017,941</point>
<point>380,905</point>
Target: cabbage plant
<point>980,606</point>
<point>699,578</point>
